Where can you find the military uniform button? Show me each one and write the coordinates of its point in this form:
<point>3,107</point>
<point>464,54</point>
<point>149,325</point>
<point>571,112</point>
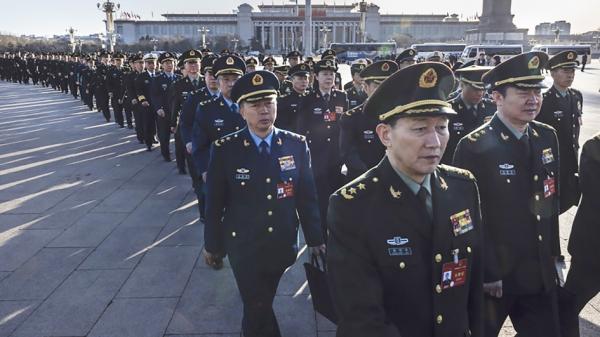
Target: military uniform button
<point>438,289</point>
<point>402,265</point>
<point>537,197</point>
<point>218,129</point>
<point>237,127</point>
<point>469,250</point>
<point>243,183</point>
<point>375,179</point>
<point>270,229</point>
<point>438,258</point>
<point>536,178</point>
<point>329,126</point>
<point>269,197</point>
<point>268,180</point>
<point>269,213</point>
<point>439,319</point>
<point>307,132</point>
<point>508,181</point>
<point>368,141</point>
<point>233,234</point>
<point>538,217</point>
<point>328,139</point>
<point>540,238</point>
<point>309,141</point>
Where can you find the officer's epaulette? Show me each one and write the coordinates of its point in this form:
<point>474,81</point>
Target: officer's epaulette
<point>208,101</point>
<point>353,111</point>
<point>456,172</point>
<point>219,142</point>
<point>357,187</point>
<point>477,133</point>
<point>542,125</point>
<point>292,135</point>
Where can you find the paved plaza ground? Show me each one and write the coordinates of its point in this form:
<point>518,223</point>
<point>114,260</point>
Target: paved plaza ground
<point>100,238</point>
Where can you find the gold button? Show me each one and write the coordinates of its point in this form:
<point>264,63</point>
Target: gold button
<point>329,126</point>
<point>243,183</point>
<point>375,179</point>
<point>469,250</point>
<point>233,234</point>
<point>537,197</point>
<point>309,141</point>
<point>237,127</point>
<point>269,197</point>
<point>368,141</point>
<point>307,132</point>
<point>328,139</point>
<point>218,129</point>
<point>438,258</point>
<point>535,177</point>
<point>270,229</point>
<point>268,180</point>
<point>540,238</point>
<point>269,213</point>
<point>402,265</point>
<point>538,217</point>
<point>508,181</point>
<point>439,319</point>
<point>438,289</point>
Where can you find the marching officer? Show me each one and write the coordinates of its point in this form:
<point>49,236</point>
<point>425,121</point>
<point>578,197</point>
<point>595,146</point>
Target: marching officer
<point>516,162</point>
<point>354,89</point>
<point>116,89</point>
<point>561,109</point>
<point>160,93</point>
<point>137,67</point>
<point>264,171</point>
<point>318,116</point>
<point>287,105</point>
<point>251,64</point>
<point>87,85</point>
<point>405,250</point>
<point>269,63</point>
<point>99,83</point>
<point>294,58</point>
<point>359,146</point>
<point>216,117</point>
<point>406,58</point>
<point>472,108</point>
<point>142,84</point>
<point>330,54</point>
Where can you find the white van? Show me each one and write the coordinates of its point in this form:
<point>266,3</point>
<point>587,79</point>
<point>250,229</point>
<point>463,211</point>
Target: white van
<point>424,50</point>
<point>504,51</point>
<point>555,49</point>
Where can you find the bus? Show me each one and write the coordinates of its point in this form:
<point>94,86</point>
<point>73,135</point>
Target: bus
<point>425,49</point>
<point>504,51</point>
<point>555,49</point>
<point>348,52</point>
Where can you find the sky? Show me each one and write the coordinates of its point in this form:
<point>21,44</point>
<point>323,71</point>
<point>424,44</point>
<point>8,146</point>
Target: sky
<point>55,17</point>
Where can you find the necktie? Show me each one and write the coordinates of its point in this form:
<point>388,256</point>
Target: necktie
<point>234,108</point>
<point>422,195</point>
<point>525,146</point>
<point>195,83</point>
<point>326,97</point>
<point>264,149</point>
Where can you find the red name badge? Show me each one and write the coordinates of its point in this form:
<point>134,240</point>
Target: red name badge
<point>330,116</point>
<point>285,190</point>
<point>549,187</point>
<point>454,274</point>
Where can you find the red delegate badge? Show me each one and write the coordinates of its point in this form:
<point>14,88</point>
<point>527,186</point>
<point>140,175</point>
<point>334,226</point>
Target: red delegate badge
<point>285,190</point>
<point>549,187</point>
<point>454,274</point>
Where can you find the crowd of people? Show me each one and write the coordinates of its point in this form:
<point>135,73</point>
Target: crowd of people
<point>433,188</point>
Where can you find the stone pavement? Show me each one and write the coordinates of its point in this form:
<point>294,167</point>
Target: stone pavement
<point>99,238</point>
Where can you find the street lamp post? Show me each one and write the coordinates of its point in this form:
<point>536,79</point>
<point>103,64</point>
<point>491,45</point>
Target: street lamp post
<point>235,42</point>
<point>362,8</point>
<point>102,37</point>
<point>204,31</point>
<point>556,34</point>
<point>71,32</point>
<point>325,30</point>
<point>308,31</point>
<point>79,44</point>
<point>154,44</point>
<point>109,8</point>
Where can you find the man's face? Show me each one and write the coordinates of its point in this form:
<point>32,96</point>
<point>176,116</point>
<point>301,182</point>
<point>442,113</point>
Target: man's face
<point>168,66</point>
<point>300,82</point>
<point>119,62</point>
<point>150,66</point>
<point>139,66</point>
<point>563,77</point>
<point>269,67</point>
<point>260,115</point>
<point>470,94</point>
<point>415,144</point>
<point>519,105</point>
<point>226,82</point>
<point>280,76</point>
<point>191,67</point>
<point>357,79</point>
<point>326,79</point>
<point>250,69</point>
<point>211,81</point>
<point>293,61</point>
<point>369,87</point>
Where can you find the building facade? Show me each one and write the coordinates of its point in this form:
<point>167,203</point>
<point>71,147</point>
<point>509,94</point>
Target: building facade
<point>279,28</point>
<point>549,28</point>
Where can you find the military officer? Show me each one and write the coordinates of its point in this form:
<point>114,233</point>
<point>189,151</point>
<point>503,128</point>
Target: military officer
<point>143,83</point>
<point>516,162</point>
<point>472,108</point>
<point>406,58</point>
<point>287,104</point>
<point>281,72</point>
<point>116,89</point>
<point>219,116</point>
<point>405,251</point>
<point>561,109</point>
<point>137,67</point>
<point>264,171</point>
<point>161,91</point>
<point>251,64</point>
<point>269,63</point>
<point>359,146</point>
<point>330,54</point>
<point>318,116</point>
<point>354,89</point>
<point>99,83</point>
<point>294,58</point>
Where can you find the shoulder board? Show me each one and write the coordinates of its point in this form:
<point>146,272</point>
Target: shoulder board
<point>210,100</point>
<point>283,95</point>
<point>358,187</point>
<point>542,125</point>
<point>292,135</point>
<point>226,139</point>
<point>477,133</point>
<point>354,110</point>
<point>456,172</point>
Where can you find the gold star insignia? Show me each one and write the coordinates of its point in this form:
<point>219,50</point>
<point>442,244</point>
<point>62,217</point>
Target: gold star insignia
<point>504,137</point>
<point>443,184</point>
<point>352,190</point>
<point>395,194</point>
<point>361,186</point>
<point>246,143</point>
<point>279,141</point>
<point>345,194</point>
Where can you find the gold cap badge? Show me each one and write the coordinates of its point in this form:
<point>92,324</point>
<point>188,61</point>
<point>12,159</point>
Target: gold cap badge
<point>230,61</point>
<point>571,56</point>
<point>257,80</point>
<point>385,67</point>
<point>192,53</point>
<point>428,79</point>
<point>534,63</point>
